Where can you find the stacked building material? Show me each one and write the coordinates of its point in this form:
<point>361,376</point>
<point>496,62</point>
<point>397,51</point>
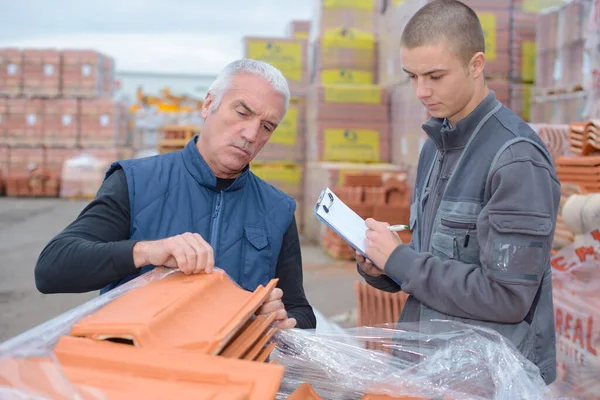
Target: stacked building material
<point>135,345</point>
<point>333,175</point>
<point>555,137</point>
<point>11,72</point>
<point>348,123</point>
<point>288,178</point>
<point>41,73</point>
<point>86,74</point>
<point>287,144</point>
<point>298,29</point>
<point>347,111</point>
<point>289,55</point>
<point>384,198</point>
<point>407,116</point>
<point>376,307</point>
<point>286,150</point>
<point>57,101</point>
<point>561,67</point>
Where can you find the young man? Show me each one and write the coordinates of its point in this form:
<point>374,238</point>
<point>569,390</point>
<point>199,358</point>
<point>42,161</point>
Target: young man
<point>485,201</point>
<point>196,208</point>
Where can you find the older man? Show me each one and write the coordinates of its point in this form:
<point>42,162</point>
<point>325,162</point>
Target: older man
<point>196,208</point>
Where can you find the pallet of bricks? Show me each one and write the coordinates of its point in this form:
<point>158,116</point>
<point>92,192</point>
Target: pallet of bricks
<point>348,129</point>
<point>55,106</point>
<point>281,161</point>
<point>562,63</point>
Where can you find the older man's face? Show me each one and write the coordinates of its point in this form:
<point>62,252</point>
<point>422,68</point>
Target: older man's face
<point>243,123</point>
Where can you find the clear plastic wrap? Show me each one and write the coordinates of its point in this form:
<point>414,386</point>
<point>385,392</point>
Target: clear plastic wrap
<point>82,175</point>
<point>28,368</point>
<point>426,360</point>
<point>576,292</point>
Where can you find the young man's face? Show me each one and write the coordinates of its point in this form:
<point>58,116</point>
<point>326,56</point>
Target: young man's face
<point>440,79</point>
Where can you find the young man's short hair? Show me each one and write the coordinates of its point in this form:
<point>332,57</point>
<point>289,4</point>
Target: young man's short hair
<point>449,20</point>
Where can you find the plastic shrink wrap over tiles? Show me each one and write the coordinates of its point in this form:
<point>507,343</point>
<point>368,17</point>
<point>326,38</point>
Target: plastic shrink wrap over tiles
<point>434,360</point>
<point>73,355</point>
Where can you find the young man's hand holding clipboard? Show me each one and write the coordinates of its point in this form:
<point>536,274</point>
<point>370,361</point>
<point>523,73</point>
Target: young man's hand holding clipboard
<point>380,242</point>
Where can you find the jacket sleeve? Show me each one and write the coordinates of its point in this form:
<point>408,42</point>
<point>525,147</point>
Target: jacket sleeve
<point>94,250</point>
<point>289,273</point>
<point>515,231</point>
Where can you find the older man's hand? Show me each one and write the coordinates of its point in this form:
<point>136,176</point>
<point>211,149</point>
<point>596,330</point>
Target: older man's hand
<point>273,304</point>
<point>380,242</point>
<point>188,252</point>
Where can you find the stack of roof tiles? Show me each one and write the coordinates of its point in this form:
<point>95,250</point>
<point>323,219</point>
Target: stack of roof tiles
<point>195,336</point>
<point>583,167</point>
<point>576,153</point>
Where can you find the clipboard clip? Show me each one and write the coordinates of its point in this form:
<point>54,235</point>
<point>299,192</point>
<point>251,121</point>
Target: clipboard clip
<point>320,201</point>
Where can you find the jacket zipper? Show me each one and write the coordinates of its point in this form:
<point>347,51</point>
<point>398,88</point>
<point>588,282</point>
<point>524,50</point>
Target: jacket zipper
<point>460,225</point>
<point>216,224</point>
<point>432,197</point>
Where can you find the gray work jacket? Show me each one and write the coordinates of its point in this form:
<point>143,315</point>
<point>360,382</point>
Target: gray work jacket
<point>483,217</point>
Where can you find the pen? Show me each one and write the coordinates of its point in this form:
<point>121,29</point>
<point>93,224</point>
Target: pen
<point>397,228</point>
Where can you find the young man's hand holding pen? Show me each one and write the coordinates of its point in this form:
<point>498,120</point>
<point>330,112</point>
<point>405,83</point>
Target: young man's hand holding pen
<point>381,241</point>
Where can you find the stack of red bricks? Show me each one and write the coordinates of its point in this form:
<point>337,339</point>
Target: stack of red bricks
<point>55,104</point>
<point>384,198</point>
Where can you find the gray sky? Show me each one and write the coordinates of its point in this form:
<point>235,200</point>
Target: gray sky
<point>191,36</point>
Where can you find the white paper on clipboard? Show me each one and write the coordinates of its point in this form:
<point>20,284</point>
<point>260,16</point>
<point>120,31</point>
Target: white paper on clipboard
<point>342,220</point>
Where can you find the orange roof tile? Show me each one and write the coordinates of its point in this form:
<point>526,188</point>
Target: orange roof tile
<point>118,372</point>
<point>197,312</point>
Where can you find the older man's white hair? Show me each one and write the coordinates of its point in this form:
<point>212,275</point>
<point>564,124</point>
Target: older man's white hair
<point>271,74</point>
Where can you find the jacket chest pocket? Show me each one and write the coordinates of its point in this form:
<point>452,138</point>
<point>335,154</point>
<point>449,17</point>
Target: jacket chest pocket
<point>256,257</point>
<point>456,238</point>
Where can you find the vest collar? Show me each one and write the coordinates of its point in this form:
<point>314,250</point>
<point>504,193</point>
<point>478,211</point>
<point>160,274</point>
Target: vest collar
<point>448,137</point>
<point>199,169</point>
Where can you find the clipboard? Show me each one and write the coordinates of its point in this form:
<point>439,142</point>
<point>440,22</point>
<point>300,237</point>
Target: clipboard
<point>341,219</point>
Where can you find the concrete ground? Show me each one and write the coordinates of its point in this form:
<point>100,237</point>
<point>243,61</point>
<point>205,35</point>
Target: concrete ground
<point>26,225</point>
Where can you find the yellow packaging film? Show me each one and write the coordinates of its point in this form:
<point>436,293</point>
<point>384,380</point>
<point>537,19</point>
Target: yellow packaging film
<point>361,145</point>
<point>347,38</point>
<point>352,94</point>
<point>287,130</point>
<point>286,56</point>
<point>488,24</point>
<point>346,76</point>
<point>528,61</point>
<point>288,173</point>
<point>398,2</point>
<point>300,35</point>
<point>536,6</point>
<point>367,5</point>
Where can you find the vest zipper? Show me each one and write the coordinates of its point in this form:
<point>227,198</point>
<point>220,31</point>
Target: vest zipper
<point>216,224</point>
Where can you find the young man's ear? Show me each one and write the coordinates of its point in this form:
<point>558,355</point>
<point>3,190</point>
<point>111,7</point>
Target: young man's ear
<point>477,64</point>
<point>206,105</point>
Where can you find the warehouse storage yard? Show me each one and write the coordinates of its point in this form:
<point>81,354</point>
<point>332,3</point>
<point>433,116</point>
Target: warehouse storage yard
<point>354,126</point>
